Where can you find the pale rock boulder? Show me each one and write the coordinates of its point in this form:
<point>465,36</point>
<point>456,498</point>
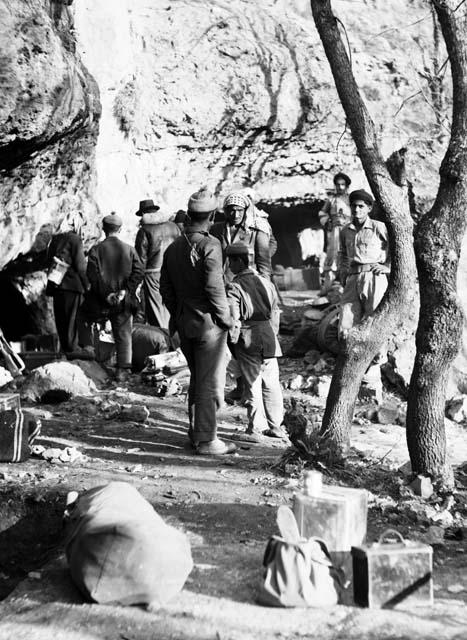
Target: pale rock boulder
<point>456,409</point>
<point>57,377</point>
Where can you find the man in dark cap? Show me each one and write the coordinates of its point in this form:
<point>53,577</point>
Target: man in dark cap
<point>363,262</point>
<point>334,214</point>
<point>192,289</point>
<point>254,306</point>
<point>181,220</point>
<point>154,236</point>
<point>114,273</point>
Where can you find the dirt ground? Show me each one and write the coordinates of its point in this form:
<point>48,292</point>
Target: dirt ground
<point>227,506</point>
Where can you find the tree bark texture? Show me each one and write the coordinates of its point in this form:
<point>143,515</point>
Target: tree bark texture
<point>438,241</point>
<point>366,339</point>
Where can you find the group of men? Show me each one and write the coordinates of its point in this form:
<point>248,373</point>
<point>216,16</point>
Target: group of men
<point>198,275</point>
<point>211,284</point>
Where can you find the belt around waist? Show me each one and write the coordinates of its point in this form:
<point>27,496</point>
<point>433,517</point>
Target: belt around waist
<point>151,270</point>
<point>362,268</point>
<point>255,323</point>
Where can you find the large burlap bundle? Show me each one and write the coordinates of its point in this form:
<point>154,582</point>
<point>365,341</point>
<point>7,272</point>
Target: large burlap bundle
<point>120,550</point>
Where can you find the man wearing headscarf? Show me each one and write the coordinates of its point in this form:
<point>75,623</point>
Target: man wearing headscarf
<point>154,236</point>
<point>244,224</point>
<point>67,291</point>
<point>363,262</point>
<point>334,214</point>
<point>193,291</point>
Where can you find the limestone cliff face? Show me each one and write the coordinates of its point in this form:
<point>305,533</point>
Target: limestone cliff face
<point>49,110</point>
<point>192,92</point>
<point>238,92</point>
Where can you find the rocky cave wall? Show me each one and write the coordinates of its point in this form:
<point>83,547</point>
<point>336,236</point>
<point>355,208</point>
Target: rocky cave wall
<point>192,92</point>
<point>228,93</point>
<point>49,112</point>
<point>107,103</point>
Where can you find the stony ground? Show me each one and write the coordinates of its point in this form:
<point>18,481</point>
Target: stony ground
<point>227,507</point>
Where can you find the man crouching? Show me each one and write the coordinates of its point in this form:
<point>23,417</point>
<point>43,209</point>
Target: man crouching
<point>254,307</point>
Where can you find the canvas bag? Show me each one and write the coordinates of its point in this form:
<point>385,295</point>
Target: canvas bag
<point>18,430</point>
<point>120,551</point>
<point>298,574</point>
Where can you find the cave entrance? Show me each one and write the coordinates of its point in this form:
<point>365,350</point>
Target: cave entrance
<point>16,319</point>
<point>287,221</point>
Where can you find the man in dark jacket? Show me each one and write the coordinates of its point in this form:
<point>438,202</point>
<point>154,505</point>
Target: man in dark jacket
<point>68,289</point>
<point>193,291</point>
<point>255,309</point>
<point>114,272</point>
<point>244,223</point>
<point>153,238</point>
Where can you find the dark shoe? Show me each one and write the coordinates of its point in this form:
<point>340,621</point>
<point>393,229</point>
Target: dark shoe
<point>236,394</point>
<point>276,433</point>
<point>215,448</point>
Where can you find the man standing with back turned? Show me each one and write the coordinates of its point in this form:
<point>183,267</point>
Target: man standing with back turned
<point>114,272</point>
<point>192,289</point>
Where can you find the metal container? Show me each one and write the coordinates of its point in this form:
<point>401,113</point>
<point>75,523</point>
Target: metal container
<point>336,514</point>
<point>392,572</point>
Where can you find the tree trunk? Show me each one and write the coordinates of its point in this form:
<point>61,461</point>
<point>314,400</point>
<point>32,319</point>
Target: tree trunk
<point>437,245</point>
<point>365,340</point>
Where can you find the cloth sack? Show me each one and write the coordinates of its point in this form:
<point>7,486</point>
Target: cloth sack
<point>120,551</point>
<point>298,574</point>
<point>18,430</point>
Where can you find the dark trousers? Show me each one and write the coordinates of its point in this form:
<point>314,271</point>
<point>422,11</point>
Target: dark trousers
<point>155,311</point>
<point>122,325</point>
<point>66,305</point>
<point>207,361</point>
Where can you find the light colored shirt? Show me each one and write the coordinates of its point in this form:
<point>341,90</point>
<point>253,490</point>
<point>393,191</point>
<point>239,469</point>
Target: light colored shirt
<point>367,245</point>
<point>336,210</point>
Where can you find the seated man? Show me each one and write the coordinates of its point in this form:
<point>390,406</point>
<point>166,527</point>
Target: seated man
<point>147,341</point>
<point>254,307</point>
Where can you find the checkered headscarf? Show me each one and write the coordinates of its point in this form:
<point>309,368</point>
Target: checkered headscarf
<point>236,199</point>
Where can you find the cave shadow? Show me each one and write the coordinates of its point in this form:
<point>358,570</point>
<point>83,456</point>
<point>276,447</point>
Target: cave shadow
<point>35,536</point>
<point>287,220</point>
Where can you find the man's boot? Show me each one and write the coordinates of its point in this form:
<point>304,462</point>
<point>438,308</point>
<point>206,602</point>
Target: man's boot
<point>237,393</point>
